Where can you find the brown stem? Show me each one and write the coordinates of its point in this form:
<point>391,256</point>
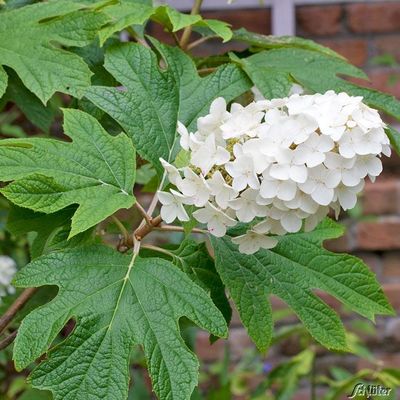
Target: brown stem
<point>15,307</point>
<point>143,212</point>
<point>198,42</point>
<point>188,30</point>
<point>7,340</point>
<point>144,230</point>
<point>206,70</point>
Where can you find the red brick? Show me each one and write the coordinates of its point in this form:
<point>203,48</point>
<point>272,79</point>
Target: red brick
<point>255,20</point>
<point>388,44</point>
<point>209,352</point>
<point>238,341</point>
<point>392,291</point>
<point>375,17</point>
<point>320,20</point>
<point>384,234</point>
<point>341,245</point>
<point>381,197</point>
<point>391,264</point>
<point>372,260</point>
<point>355,50</point>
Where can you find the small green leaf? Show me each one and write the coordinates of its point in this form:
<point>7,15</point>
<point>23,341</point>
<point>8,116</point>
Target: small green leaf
<point>124,14</point>
<point>96,171</point>
<point>220,28</point>
<point>27,37</point>
<point>118,301</point>
<point>274,42</point>
<point>174,20</point>
<point>291,271</point>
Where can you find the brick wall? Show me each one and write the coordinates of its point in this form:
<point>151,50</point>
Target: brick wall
<point>359,32</point>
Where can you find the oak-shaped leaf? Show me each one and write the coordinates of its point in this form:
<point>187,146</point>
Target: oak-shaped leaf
<point>27,37</point>
<point>118,301</point>
<point>153,100</point>
<point>96,171</point>
<point>294,269</point>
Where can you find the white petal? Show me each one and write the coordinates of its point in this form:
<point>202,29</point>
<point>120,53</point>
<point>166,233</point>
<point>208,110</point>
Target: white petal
<point>165,198</point>
<point>322,195</point>
<point>298,173</point>
<point>347,199</point>
<point>216,228</point>
<point>287,190</point>
<point>168,213</point>
<point>291,222</point>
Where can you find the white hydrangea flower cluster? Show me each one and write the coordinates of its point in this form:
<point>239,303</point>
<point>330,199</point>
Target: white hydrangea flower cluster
<point>281,163</point>
<point>8,269</point>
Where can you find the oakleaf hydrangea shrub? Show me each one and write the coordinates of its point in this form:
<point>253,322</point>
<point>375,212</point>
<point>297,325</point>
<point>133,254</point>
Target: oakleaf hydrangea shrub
<point>280,162</point>
<point>244,155</point>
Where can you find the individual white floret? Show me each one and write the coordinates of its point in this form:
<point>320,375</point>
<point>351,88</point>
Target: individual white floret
<point>320,184</point>
<point>242,170</point>
<point>287,167</point>
<point>253,148</point>
<point>209,154</point>
<point>242,121</point>
<point>172,206</point>
<point>221,190</point>
<point>246,206</point>
<point>194,187</point>
<point>368,165</point>
<point>217,221</point>
<point>349,175</point>
<point>251,242</point>
<point>282,189</point>
<point>312,152</point>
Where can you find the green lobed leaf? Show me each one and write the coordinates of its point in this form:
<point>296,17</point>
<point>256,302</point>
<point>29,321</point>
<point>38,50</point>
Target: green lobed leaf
<point>147,108</point>
<point>317,72</point>
<point>96,171</point>
<point>292,271</point>
<point>153,100</point>
<point>273,42</point>
<point>27,37</point>
<point>118,301</point>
